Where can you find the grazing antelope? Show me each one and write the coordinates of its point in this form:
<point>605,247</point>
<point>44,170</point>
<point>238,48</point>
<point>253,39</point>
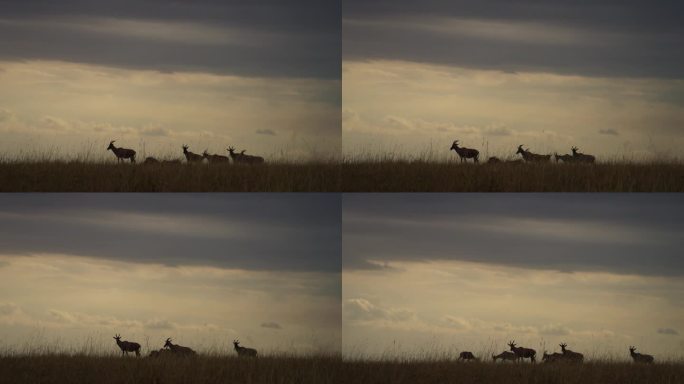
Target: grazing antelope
<point>581,157</point>
<point>467,356</point>
<point>523,353</point>
<point>244,351</point>
<point>571,355</point>
<point>505,355</point>
<point>639,357</point>
<point>161,353</point>
<point>121,153</point>
<point>191,157</point>
<point>178,349</point>
<point>249,159</point>
<point>567,158</point>
<point>532,157</point>
<point>552,358</point>
<point>494,160</point>
<point>127,346</point>
<point>465,153</point>
<point>151,160</point>
<point>215,158</point>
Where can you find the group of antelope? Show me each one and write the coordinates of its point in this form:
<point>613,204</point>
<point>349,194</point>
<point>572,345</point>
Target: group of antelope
<point>527,156</point>
<point>517,354</point>
<point>123,154</point>
<point>171,349</point>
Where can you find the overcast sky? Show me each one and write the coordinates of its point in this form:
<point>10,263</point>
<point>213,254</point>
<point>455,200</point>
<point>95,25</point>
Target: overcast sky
<point>471,272</point>
<point>203,269</point>
<point>602,75</point>
<point>261,75</point>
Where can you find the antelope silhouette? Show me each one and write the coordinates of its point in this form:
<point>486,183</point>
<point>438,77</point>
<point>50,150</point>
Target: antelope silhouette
<point>523,353</point>
<point>505,355</point>
<point>465,153</point>
<point>127,346</point>
<point>244,351</point>
<point>640,357</point>
<point>552,358</point>
<point>249,159</point>
<point>567,158</point>
<point>121,153</point>
<point>581,157</point>
<point>178,349</point>
<point>467,356</point>
<point>191,157</point>
<point>215,158</point>
<point>532,157</point>
<point>571,355</point>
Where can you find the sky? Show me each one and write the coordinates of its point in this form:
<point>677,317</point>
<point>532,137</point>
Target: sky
<point>202,269</point>
<point>442,273</point>
<point>605,76</point>
<point>262,76</point>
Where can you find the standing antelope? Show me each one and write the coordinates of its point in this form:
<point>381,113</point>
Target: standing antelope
<point>581,157</point>
<point>567,158</point>
<point>178,349</point>
<point>191,157</point>
<point>505,355</point>
<point>552,358</point>
<point>244,351</point>
<point>467,356</point>
<point>121,153</point>
<point>571,355</point>
<point>465,153</point>
<point>249,159</point>
<point>639,357</point>
<point>127,346</point>
<point>532,157</point>
<point>523,353</point>
<point>215,158</point>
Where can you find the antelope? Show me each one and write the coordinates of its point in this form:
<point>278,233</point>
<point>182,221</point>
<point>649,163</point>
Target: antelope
<point>237,158</point>
<point>551,358</point>
<point>191,157</point>
<point>532,157</point>
<point>505,355</point>
<point>523,353</point>
<point>151,160</point>
<point>161,353</point>
<point>178,349</point>
<point>249,159</point>
<point>121,153</point>
<point>581,157</point>
<point>127,346</point>
<point>494,160</point>
<point>244,351</point>
<point>465,153</point>
<point>215,158</point>
<point>640,358</point>
<point>567,158</point>
<point>571,355</point>
<point>467,356</point>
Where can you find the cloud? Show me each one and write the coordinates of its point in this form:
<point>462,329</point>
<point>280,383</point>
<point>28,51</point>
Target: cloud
<point>593,39</point>
<point>271,325</point>
<point>360,309</point>
<point>668,331</point>
<point>7,309</point>
<point>609,131</point>
<point>267,132</point>
<point>554,330</point>
<point>160,324</point>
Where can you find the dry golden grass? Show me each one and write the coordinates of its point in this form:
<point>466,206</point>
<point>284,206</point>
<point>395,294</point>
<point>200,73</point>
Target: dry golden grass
<point>448,371</point>
<point>64,369</point>
<point>87,176</point>
<point>416,175</point>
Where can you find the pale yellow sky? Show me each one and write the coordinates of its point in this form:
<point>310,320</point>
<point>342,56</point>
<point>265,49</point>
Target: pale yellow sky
<point>409,108</point>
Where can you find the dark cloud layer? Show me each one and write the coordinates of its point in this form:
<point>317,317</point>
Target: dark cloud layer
<point>293,232</point>
<point>605,38</point>
<point>633,234</point>
<point>266,38</point>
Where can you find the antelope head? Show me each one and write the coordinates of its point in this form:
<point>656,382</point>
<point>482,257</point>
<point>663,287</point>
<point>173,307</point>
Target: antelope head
<point>168,343</point>
<point>454,145</point>
<point>117,337</point>
<point>632,349</point>
<point>520,149</point>
<point>563,345</point>
<point>511,344</point>
<point>243,151</point>
<point>205,153</point>
<point>575,149</point>
<point>111,145</point>
<point>185,148</point>
<point>231,150</point>
<point>236,342</point>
